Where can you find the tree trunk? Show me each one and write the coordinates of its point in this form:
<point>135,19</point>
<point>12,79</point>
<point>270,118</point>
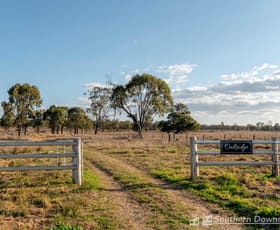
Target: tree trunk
<point>138,129</point>
<point>25,130</point>
<point>19,130</point>
<point>76,131</point>
<point>136,125</point>
<point>53,130</point>
<point>140,134</point>
<point>96,129</point>
<point>102,126</point>
<point>61,130</point>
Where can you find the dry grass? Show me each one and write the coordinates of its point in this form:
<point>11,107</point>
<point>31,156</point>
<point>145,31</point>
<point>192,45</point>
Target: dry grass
<point>39,200</point>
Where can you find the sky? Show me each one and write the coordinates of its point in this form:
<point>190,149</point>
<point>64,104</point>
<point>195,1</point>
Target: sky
<point>221,58</point>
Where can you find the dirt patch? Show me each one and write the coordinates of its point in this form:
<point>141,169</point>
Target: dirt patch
<point>127,212</point>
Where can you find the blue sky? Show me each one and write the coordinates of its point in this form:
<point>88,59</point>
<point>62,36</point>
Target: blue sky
<point>221,58</point>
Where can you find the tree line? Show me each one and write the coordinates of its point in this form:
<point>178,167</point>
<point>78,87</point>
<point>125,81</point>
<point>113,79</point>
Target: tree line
<point>22,110</point>
<point>259,126</point>
<point>141,99</point>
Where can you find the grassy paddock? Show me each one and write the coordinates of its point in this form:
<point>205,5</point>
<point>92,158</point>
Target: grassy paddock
<point>247,190</point>
<point>48,200</point>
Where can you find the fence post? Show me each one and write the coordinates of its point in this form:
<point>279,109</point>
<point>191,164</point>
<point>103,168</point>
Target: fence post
<point>194,158</point>
<point>275,158</point>
<point>77,162</point>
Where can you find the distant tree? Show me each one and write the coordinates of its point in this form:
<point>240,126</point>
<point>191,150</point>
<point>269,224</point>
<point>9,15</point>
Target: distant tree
<point>38,120</point>
<point>125,125</point>
<point>56,117</point>
<point>118,125</point>
<point>141,98</point>
<point>23,99</point>
<point>179,120</point>
<point>8,118</point>
<point>77,119</point>
<point>250,127</point>
<point>100,105</point>
<point>276,126</point>
<point>269,125</point>
<point>260,125</point>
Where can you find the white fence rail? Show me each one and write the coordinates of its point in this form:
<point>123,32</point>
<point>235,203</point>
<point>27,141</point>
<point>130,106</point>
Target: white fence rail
<point>75,154</point>
<point>195,153</point>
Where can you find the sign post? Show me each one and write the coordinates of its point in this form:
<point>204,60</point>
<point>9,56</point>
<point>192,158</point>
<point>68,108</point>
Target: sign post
<point>236,147</point>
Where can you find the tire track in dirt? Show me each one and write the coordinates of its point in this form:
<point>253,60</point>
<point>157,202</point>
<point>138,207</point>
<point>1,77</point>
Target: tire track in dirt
<point>127,212</point>
<point>194,205</point>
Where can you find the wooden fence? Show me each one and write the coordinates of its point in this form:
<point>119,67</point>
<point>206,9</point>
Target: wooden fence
<point>75,154</point>
<point>195,163</point>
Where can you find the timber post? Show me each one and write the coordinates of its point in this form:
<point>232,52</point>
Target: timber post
<point>194,159</point>
<point>275,158</point>
<point>77,162</point>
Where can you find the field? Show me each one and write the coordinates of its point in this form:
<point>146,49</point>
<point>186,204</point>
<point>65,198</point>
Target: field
<point>139,184</point>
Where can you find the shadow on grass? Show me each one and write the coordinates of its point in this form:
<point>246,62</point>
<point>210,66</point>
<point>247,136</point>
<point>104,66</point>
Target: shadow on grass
<point>139,186</point>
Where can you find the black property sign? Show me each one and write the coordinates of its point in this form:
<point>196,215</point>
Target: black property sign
<point>236,147</point>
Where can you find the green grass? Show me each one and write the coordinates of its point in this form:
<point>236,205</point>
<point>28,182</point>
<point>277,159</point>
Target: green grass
<point>104,222</point>
<point>228,191</point>
<point>90,182</point>
<point>62,226</point>
<point>167,175</point>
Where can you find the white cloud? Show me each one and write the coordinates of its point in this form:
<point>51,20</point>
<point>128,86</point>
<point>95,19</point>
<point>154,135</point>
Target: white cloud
<point>84,101</point>
<point>89,86</point>
<point>176,74</point>
<point>127,77</point>
<point>177,79</point>
<point>198,88</point>
<point>252,74</point>
<point>237,98</point>
<point>179,69</point>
